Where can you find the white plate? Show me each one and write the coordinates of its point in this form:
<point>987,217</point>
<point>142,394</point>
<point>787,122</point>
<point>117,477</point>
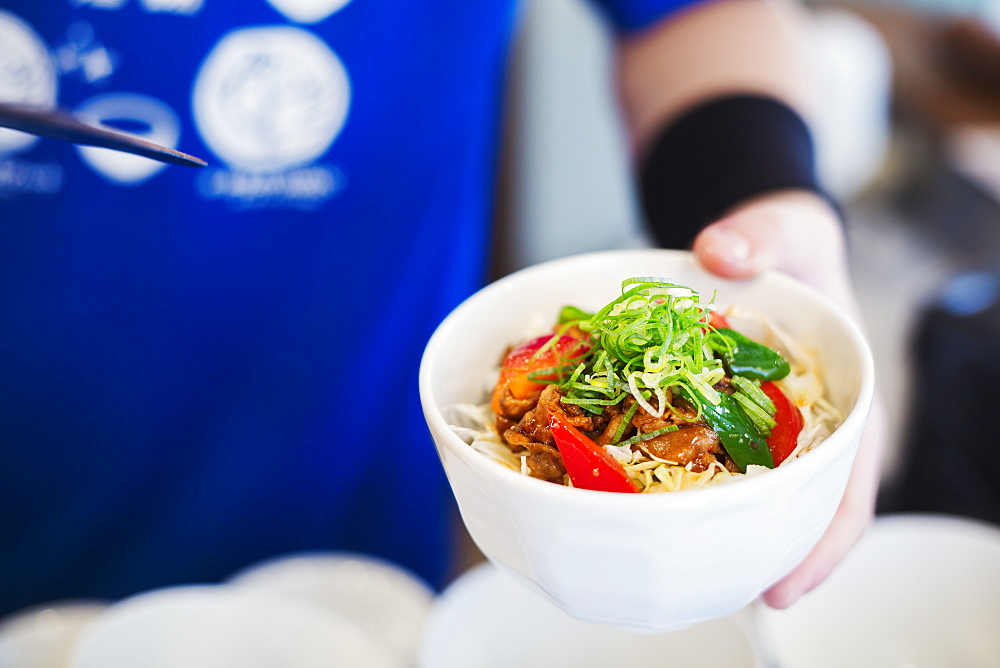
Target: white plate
<point>488,619</point>
<point>388,602</point>
<point>43,636</point>
<point>917,590</point>
<point>224,627</point>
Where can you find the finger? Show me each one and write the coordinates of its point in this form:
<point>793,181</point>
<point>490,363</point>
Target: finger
<point>849,522</point>
<point>739,246</point>
<point>846,528</point>
<point>794,232</point>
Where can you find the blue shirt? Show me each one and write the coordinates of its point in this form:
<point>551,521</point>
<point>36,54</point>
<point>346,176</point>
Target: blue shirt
<point>202,368</point>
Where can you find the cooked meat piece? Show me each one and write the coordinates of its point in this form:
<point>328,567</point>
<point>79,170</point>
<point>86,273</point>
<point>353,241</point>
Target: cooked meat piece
<point>510,406</point>
<point>610,431</point>
<point>612,417</point>
<point>645,423</point>
<point>569,410</point>
<point>693,445</point>
<point>532,434</point>
<point>728,462</point>
<point>683,414</point>
<point>503,423</point>
<point>516,440</point>
<point>545,462</point>
<point>599,422</point>
<point>535,423</point>
<point>607,415</point>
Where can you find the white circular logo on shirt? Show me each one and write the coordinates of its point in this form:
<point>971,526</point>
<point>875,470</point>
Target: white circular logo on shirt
<point>270,98</point>
<point>138,115</point>
<point>308,11</point>
<point>27,75</point>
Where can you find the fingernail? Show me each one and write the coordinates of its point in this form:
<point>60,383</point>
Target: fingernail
<point>779,600</point>
<point>731,245</point>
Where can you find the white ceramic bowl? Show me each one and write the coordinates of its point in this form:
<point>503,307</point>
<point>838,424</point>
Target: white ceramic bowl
<point>650,561</point>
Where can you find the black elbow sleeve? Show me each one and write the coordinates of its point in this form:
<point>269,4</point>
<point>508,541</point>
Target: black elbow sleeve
<point>717,155</point>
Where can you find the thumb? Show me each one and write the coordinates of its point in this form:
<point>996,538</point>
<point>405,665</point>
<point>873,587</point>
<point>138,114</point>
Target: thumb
<point>794,232</point>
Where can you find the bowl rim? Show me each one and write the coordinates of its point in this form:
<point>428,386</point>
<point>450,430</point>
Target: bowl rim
<point>815,460</point>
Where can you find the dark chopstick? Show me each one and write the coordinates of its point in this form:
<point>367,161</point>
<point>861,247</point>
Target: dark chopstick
<point>60,125</point>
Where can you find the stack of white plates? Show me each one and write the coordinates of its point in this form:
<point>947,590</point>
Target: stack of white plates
<point>916,591</point>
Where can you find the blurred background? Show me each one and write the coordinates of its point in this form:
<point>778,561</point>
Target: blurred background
<point>909,141</point>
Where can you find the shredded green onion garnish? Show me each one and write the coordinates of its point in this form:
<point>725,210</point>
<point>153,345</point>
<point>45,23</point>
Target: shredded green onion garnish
<point>649,435</point>
<point>623,424</point>
<point>764,422</point>
<point>751,388</point>
<point>650,342</point>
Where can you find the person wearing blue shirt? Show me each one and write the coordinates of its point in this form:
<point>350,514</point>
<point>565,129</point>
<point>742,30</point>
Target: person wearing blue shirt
<point>201,369</point>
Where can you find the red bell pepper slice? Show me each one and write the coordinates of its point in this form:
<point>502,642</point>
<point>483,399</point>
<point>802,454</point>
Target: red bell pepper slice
<point>525,358</point>
<point>717,320</point>
<point>785,434</point>
<point>589,465</point>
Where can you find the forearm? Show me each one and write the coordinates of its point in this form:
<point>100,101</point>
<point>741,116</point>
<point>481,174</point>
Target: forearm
<point>724,49</point>
<point>710,50</point>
